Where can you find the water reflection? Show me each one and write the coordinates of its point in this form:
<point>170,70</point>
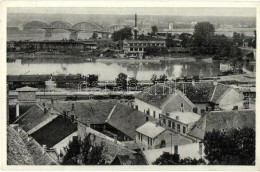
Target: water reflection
<point>109,71</point>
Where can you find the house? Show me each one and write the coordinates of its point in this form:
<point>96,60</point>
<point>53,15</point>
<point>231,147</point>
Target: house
<point>222,120</point>
<point>160,98</point>
<point>180,121</point>
<point>56,134</point>
<point>24,150</point>
<point>153,136</point>
<point>193,150</point>
<point>137,47</point>
<point>123,120</point>
<point>210,96</point>
<point>133,159</point>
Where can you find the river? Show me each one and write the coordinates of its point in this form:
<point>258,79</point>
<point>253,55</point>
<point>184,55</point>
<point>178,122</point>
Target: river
<point>109,70</point>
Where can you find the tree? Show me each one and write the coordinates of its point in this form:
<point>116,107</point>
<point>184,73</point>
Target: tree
<point>185,39</point>
<point>83,152</point>
<point>154,30</point>
<point>238,38</point>
<point>92,80</point>
<point>154,78</point>
<point>94,35</point>
<point>122,34</point>
<point>234,147</point>
<point>174,159</point>
<point>121,81</point>
<point>203,31</point>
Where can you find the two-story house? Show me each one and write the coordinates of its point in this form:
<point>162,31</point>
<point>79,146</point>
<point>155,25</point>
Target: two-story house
<point>159,99</point>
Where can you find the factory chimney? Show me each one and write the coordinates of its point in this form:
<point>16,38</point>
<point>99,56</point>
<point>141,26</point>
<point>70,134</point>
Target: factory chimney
<point>135,28</point>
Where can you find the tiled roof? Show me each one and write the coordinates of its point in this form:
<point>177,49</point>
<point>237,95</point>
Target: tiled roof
<point>93,113</point>
<point>132,159</point>
<point>155,95</point>
<point>17,153</point>
<point>33,117</point>
<point>150,129</point>
<point>126,119</point>
<point>219,120</point>
<point>28,78</point>
<point>22,151</point>
<point>55,131</point>
<point>220,89</point>
<point>36,150</point>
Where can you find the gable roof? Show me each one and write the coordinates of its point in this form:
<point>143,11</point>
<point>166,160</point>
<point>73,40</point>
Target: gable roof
<point>33,117</point>
<point>150,129</point>
<point>55,131</point>
<point>27,89</point>
<point>91,112</point>
<point>159,95</point>
<point>218,120</point>
<point>126,119</point>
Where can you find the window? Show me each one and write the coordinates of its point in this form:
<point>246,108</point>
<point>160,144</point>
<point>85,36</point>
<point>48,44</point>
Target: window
<point>178,127</point>
<point>154,114</point>
<point>136,49</point>
<point>182,105</point>
<point>173,125</point>
<point>140,49</point>
<point>140,136</point>
<point>184,129</point>
<point>148,112</point>
<point>131,49</point>
<point>169,123</point>
<point>164,120</point>
<point>207,109</point>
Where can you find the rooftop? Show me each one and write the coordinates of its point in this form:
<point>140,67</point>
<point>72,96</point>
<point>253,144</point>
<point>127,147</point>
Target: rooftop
<point>87,113</point>
<point>33,117</point>
<point>26,89</point>
<point>185,117</point>
<point>150,129</point>
<point>126,119</point>
<point>219,120</point>
<point>55,131</point>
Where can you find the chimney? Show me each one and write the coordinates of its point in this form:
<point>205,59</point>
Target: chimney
<point>177,118</point>
<point>200,148</point>
<point>29,138</point>
<point>176,149</point>
<point>72,107</point>
<point>52,103</point>
<point>167,114</point>
<point>44,108</point>
<point>19,129</point>
<point>44,147</point>
<point>147,118</point>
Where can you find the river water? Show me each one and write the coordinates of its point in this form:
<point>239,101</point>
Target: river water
<point>109,70</point>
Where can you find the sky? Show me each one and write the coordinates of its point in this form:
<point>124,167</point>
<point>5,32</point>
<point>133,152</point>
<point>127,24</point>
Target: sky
<point>175,11</point>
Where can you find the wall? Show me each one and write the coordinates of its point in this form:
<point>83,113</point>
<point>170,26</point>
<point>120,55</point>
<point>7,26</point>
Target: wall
<point>143,107</point>
<point>230,97</point>
<point>59,147</point>
<point>176,123</point>
<point>202,106</point>
<point>175,104</point>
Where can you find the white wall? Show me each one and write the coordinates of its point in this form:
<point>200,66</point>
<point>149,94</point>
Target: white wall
<point>59,147</point>
<point>143,107</point>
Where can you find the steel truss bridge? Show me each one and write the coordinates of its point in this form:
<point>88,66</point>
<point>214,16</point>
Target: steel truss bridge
<point>73,29</point>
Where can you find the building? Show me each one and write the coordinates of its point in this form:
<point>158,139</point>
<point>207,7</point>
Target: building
<point>222,120</point>
<point>180,122</point>
<point>123,120</point>
<point>210,96</point>
<point>57,134</point>
<point>170,26</point>
<point>159,99</point>
<point>136,48</point>
<point>153,136</point>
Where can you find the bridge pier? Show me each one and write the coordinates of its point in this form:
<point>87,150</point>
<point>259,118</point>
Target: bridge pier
<point>48,33</point>
<point>74,35</point>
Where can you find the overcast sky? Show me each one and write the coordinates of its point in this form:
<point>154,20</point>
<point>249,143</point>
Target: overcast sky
<point>180,11</point>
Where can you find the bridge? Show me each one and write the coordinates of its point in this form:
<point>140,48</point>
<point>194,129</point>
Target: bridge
<point>73,29</point>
